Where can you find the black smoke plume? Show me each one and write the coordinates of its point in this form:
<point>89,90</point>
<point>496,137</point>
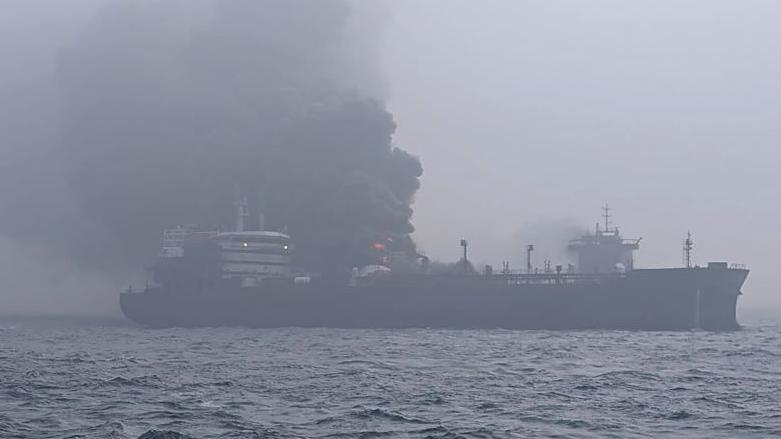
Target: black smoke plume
<point>168,106</point>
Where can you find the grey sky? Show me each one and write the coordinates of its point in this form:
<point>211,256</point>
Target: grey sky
<point>527,111</point>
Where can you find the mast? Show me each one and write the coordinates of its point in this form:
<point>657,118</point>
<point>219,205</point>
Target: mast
<point>606,216</point>
<point>242,210</point>
<point>261,212</point>
<point>602,251</point>
<point>688,246</point>
<point>464,244</point>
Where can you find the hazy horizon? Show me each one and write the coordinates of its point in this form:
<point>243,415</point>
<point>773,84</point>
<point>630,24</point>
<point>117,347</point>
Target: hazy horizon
<point>532,112</point>
<point>526,116</point>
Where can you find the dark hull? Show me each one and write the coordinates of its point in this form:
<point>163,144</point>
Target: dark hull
<point>662,299</point>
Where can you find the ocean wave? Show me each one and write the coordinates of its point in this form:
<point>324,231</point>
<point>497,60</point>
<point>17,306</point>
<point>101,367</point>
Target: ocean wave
<point>138,381</point>
<point>124,382</point>
<point>164,434</point>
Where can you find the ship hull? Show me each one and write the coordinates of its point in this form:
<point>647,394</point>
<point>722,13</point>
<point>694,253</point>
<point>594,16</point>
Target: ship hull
<point>657,299</point>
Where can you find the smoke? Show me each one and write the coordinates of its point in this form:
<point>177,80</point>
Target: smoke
<point>35,282</point>
<point>168,106</point>
<point>550,239</point>
<point>123,118</point>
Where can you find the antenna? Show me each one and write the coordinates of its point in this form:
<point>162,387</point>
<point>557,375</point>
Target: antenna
<point>465,244</point>
<point>261,214</point>
<point>606,216</point>
<point>242,211</point>
<point>688,246</point>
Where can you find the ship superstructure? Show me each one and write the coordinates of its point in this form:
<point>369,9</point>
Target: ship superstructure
<point>245,257</point>
<point>254,256</point>
<point>606,251</point>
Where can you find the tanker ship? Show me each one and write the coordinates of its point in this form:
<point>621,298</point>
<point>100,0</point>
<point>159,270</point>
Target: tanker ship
<point>245,278</point>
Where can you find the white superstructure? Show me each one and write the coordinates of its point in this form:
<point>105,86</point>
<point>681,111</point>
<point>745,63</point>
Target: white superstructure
<point>254,255</point>
<point>246,255</point>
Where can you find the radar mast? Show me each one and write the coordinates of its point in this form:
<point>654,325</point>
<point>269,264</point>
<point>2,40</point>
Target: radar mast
<point>688,246</point>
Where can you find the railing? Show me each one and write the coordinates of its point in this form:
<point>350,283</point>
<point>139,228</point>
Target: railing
<point>555,278</point>
<point>494,279</point>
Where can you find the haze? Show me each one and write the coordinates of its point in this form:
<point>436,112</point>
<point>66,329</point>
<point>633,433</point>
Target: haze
<point>529,111</point>
<point>527,117</point>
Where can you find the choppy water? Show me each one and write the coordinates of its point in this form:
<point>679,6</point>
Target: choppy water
<point>71,379</point>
